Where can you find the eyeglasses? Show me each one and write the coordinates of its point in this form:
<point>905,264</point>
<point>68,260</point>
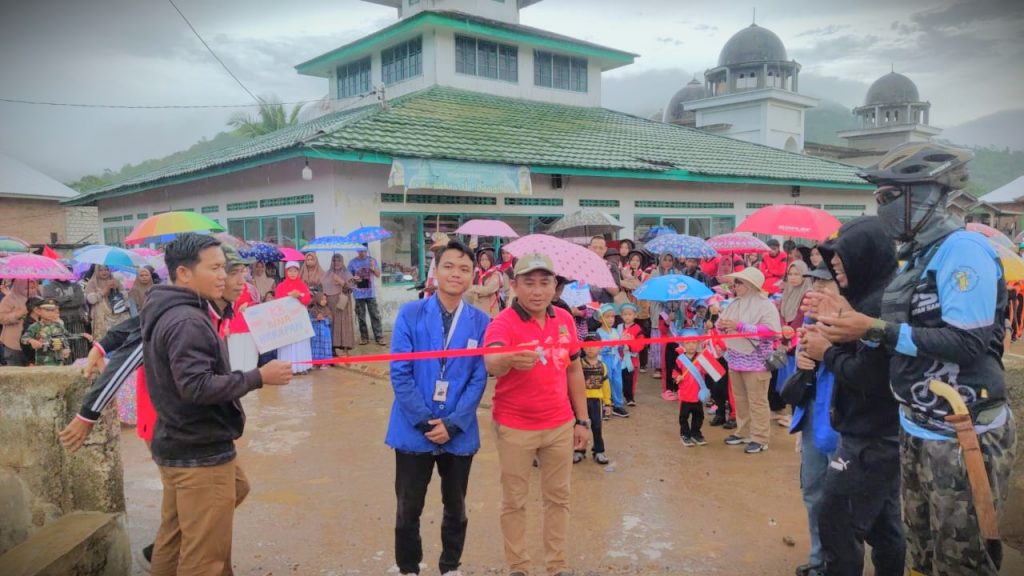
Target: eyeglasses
<point>887,194</point>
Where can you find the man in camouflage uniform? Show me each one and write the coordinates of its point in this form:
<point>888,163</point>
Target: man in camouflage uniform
<point>942,319</point>
<point>47,336</point>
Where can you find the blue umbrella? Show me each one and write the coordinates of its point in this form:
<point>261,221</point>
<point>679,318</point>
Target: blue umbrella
<point>673,287</point>
<point>262,251</point>
<point>367,234</point>
<point>110,256</point>
<point>681,246</point>
<point>656,231</point>
<point>331,244</point>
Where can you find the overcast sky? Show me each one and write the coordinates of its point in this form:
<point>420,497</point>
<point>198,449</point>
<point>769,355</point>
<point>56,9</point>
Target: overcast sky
<point>965,57</point>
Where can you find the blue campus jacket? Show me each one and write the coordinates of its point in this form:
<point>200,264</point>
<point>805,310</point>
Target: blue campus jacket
<point>825,437</point>
<point>419,327</point>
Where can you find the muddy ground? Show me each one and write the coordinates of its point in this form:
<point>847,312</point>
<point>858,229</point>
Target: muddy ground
<point>322,499</point>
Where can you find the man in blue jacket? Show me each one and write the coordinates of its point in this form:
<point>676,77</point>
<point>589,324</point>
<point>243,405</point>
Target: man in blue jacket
<point>433,418</point>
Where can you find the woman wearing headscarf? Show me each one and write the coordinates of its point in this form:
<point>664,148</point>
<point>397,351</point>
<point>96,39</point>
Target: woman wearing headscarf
<point>337,283</point>
<point>660,316</point>
<point>261,281</point>
<point>109,305</point>
<point>144,280</point>
<point>312,274</point>
<point>487,280</point>
<point>13,311</point>
<point>796,285</point>
<point>751,312</point>
<point>292,286</point>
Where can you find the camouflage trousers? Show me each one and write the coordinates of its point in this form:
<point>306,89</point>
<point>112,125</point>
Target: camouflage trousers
<point>942,526</point>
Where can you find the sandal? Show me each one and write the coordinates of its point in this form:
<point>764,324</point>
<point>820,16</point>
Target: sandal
<point>601,459</point>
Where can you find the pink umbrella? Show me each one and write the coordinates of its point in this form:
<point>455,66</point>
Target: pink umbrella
<point>291,254</point>
<point>146,252</point>
<point>791,220</point>
<point>571,260</point>
<point>32,267</point>
<point>991,233</point>
<point>738,244</point>
<point>484,227</point>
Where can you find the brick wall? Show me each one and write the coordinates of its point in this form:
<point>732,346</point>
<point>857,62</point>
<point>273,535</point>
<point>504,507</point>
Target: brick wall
<point>34,221</point>
<point>83,225</point>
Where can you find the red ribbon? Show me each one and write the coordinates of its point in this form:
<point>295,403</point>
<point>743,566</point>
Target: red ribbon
<point>574,347</point>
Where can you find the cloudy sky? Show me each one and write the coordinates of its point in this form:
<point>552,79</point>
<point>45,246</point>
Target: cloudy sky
<point>964,55</point>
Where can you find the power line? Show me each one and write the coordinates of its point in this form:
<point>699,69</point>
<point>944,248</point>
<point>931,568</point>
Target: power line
<point>214,54</point>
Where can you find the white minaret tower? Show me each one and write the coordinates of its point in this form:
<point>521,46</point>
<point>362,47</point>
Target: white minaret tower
<point>501,10</point>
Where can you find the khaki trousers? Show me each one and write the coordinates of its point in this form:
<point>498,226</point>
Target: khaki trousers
<point>516,451</point>
<point>196,520</point>
<point>753,416</point>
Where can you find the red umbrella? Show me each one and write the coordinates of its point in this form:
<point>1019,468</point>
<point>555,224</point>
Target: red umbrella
<point>791,220</point>
<point>291,254</point>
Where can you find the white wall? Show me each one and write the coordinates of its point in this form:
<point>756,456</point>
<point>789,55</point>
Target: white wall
<point>504,10</point>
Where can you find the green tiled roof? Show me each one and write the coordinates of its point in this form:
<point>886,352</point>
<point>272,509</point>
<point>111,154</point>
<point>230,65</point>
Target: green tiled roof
<point>447,123</point>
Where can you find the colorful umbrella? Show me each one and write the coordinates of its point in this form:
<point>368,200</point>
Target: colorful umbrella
<point>738,244</point>
<point>791,220</point>
<point>13,245</point>
<point>367,234</point>
<point>673,287</point>
<point>571,260</point>
<point>262,251</point>
<point>108,256</point>
<point>681,246</point>
<point>146,252</point>
<point>991,233</point>
<point>655,231</point>
<point>291,254</point>
<point>484,227</point>
<point>33,267</point>
<point>233,241</point>
<point>1013,265</point>
<point>331,244</point>
<point>164,227</point>
<point>585,223</point>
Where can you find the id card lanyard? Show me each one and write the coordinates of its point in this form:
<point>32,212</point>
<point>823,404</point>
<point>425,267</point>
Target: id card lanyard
<point>448,339</point>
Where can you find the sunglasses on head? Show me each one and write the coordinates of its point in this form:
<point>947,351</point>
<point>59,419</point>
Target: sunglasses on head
<point>888,194</point>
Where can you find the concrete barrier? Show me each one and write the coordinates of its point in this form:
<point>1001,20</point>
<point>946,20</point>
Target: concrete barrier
<point>41,484</point>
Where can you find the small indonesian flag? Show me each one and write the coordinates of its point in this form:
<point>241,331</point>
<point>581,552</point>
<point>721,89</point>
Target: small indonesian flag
<point>710,364</point>
<point>715,344</point>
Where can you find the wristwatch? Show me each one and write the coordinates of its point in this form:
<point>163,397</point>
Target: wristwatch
<point>877,331</point>
<point>584,423</point>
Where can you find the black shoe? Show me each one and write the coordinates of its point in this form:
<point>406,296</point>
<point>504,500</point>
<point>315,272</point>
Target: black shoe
<point>729,425</point>
<point>755,447</point>
<point>808,570</point>
<point>631,403</point>
<point>718,420</point>
<point>620,412</point>
<point>699,439</point>
<point>734,440</point>
<point>687,441</point>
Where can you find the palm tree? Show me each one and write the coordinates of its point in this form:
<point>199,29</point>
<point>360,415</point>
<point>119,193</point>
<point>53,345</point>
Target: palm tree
<point>270,117</point>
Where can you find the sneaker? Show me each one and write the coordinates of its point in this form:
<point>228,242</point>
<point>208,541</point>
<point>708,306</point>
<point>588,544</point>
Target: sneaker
<point>620,412</point>
<point>687,441</point>
<point>577,457</point>
<point>600,458</point>
<point>699,439</point>
<point>718,420</point>
<point>734,440</point>
<point>643,370</point>
<point>630,402</point>
<point>605,417</point>
<point>729,425</point>
<point>808,570</point>
<point>144,558</point>
<point>656,375</point>
<point>453,573</point>
<point>754,448</point>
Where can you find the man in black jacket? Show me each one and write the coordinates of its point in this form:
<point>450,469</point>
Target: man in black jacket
<point>862,487</point>
<point>199,416</point>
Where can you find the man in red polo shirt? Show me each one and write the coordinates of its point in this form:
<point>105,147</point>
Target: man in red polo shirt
<point>540,411</point>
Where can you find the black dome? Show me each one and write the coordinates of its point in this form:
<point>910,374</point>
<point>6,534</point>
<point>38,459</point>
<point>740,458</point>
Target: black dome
<point>694,90</point>
<point>752,44</point>
<point>893,88</point>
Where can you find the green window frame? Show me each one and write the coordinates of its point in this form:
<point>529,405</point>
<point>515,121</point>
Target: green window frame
<point>142,216</point>
<point>398,198</point>
<point>247,205</point>
<point>401,61</point>
<point>486,59</point>
<point>115,235</point>
<point>561,72</point>
<point>210,209</point>
<point>682,205</point>
<point>855,207</point>
<point>531,201</point>
<point>292,230</point>
<point>287,201</point>
<point>756,205</point>
<point>109,219</point>
<point>716,223</point>
<point>594,203</point>
<point>353,79</point>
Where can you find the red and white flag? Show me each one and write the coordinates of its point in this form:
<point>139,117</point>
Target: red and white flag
<point>710,364</point>
<point>715,345</point>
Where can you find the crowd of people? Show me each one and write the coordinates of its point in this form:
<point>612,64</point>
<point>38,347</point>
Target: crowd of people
<point>836,342</point>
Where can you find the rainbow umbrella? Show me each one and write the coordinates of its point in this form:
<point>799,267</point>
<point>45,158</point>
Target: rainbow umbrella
<point>33,267</point>
<point>367,234</point>
<point>1013,265</point>
<point>108,256</point>
<point>738,244</point>
<point>164,227</point>
<point>146,252</point>
<point>331,244</point>
<point>681,246</point>
<point>13,245</point>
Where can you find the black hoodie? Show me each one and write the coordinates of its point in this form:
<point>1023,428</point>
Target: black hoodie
<point>862,400</point>
<point>193,390</point>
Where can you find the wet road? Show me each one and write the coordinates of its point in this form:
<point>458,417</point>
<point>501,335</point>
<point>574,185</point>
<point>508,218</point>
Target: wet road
<point>322,499</point>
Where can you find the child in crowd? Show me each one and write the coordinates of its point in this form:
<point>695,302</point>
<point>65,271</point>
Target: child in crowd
<point>612,357</point>
<point>46,336</point>
<point>675,322</point>
<point>320,316</point>
<point>599,399</point>
<point>692,392</point>
<point>630,330</point>
<point>266,357</point>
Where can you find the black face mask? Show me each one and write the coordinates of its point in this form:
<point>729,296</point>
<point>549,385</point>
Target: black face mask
<point>912,212</point>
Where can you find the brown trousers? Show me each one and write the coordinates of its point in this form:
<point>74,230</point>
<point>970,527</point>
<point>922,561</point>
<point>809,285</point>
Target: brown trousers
<point>516,451</point>
<point>196,520</point>
<point>753,416</point>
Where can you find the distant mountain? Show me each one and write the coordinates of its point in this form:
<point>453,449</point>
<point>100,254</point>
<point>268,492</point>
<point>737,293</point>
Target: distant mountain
<point>823,122</point>
<point>999,130</point>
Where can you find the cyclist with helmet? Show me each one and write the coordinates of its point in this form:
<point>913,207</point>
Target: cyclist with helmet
<point>941,319</point>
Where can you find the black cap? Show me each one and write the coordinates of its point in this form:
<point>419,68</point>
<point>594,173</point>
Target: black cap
<point>822,272</point>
